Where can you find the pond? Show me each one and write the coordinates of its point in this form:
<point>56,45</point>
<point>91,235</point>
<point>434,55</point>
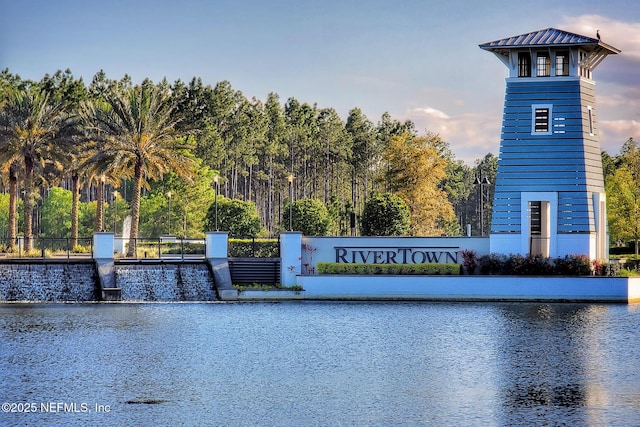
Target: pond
<point>320,363</point>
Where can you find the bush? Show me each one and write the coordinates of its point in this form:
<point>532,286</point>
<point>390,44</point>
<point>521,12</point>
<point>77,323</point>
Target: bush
<point>385,215</point>
<point>469,261</point>
<point>623,272</point>
<point>610,269</point>
<point>254,248</point>
<point>427,269</point>
<point>186,248</point>
<point>518,265</point>
<point>492,264</point>
<point>240,218</point>
<point>308,216</point>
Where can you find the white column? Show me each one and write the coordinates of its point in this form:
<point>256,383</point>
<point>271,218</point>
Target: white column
<point>103,245</point>
<point>290,257</point>
<point>216,244</point>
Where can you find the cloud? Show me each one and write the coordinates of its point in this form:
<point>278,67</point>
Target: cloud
<point>618,80</point>
<point>614,133</point>
<point>622,35</point>
<point>470,135</point>
<point>473,129</point>
<point>611,97</point>
<point>428,111</point>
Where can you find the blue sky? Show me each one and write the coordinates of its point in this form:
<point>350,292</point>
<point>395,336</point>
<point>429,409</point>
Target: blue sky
<point>418,60</point>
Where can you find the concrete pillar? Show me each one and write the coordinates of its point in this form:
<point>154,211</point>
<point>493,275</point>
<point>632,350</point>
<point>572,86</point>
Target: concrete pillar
<point>290,257</point>
<point>216,243</point>
<point>103,245</point>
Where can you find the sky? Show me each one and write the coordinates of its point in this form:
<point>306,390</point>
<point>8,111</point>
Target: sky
<point>415,59</point>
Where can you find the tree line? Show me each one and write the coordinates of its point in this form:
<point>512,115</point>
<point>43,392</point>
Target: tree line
<point>622,185</point>
<point>161,152</point>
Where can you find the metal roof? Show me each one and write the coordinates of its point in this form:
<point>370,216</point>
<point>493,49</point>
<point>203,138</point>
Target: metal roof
<point>547,38</point>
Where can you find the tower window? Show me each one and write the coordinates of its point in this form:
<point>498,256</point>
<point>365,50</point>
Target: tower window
<point>590,111</point>
<point>524,64</point>
<point>562,64</point>
<point>541,119</point>
<point>543,65</point>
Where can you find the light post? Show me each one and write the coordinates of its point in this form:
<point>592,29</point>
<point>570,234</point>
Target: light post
<point>115,212</point>
<point>481,182</point>
<point>102,180</point>
<point>169,194</point>
<point>290,179</point>
<point>216,180</point>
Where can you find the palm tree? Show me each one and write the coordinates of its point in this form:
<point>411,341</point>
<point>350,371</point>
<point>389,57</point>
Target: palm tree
<point>135,136</point>
<point>36,132</point>
<point>13,206</point>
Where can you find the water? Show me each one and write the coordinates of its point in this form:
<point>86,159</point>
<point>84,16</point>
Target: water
<point>304,363</point>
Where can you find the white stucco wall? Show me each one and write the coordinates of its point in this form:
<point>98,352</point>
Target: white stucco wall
<point>382,250</point>
<point>471,288</point>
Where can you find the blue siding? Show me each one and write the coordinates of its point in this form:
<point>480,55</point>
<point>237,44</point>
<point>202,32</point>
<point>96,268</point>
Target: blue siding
<point>575,212</point>
<point>566,161</point>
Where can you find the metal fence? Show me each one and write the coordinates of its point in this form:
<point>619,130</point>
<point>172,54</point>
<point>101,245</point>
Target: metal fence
<point>48,247</point>
<point>146,248</point>
<point>166,248</point>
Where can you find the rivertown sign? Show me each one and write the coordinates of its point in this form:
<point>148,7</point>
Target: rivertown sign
<point>387,250</point>
<point>396,255</point>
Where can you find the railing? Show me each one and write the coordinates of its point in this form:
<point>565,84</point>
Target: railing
<point>167,248</point>
<point>49,247</point>
<point>254,248</point>
<point>146,248</point>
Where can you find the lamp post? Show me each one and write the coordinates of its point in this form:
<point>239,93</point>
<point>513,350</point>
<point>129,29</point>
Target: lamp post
<point>216,180</point>
<point>290,179</point>
<point>102,180</point>
<point>481,182</point>
<point>115,212</point>
<point>169,194</point>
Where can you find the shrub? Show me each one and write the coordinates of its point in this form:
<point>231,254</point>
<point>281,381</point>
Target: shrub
<point>531,265</point>
<point>240,218</point>
<point>611,269</point>
<point>427,269</point>
<point>309,216</point>
<point>81,249</point>
<point>469,261</point>
<point>385,215</point>
<point>254,248</point>
<point>492,264</point>
<point>186,248</point>
<point>578,265</point>
<point>623,272</point>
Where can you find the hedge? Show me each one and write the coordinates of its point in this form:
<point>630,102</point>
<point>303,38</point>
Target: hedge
<point>254,248</point>
<point>427,269</point>
<point>531,265</point>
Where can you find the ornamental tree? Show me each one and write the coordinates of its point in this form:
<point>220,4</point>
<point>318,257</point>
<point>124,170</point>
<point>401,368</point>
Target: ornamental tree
<point>237,217</point>
<point>385,215</point>
<point>309,216</point>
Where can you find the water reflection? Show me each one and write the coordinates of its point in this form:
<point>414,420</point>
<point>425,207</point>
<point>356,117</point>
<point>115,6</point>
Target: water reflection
<point>555,362</point>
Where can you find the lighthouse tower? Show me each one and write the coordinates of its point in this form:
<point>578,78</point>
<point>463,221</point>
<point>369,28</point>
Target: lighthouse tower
<point>549,196</point>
